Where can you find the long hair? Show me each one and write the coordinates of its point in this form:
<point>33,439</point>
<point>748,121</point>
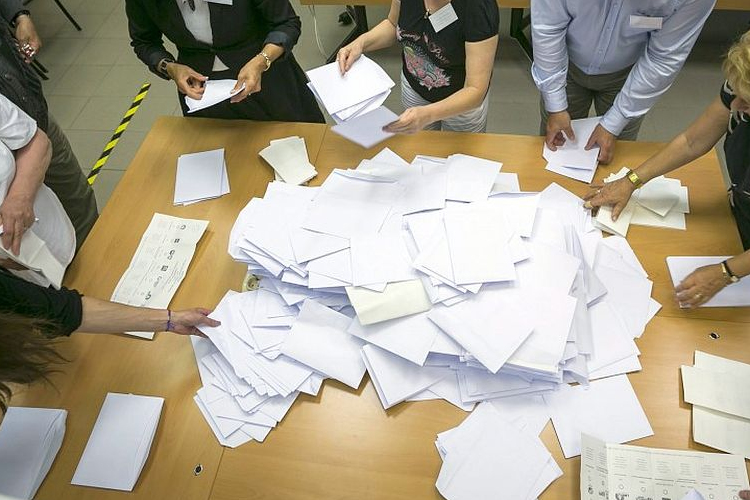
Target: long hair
<point>26,354</point>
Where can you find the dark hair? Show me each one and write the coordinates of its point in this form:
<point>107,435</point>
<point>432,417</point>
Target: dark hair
<point>26,354</point>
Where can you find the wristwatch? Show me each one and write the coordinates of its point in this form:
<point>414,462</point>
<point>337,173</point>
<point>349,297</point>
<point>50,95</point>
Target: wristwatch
<point>22,12</point>
<point>162,66</point>
<point>633,177</point>
<point>729,276</point>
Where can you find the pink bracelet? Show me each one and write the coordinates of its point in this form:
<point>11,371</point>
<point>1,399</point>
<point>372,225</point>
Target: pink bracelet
<point>169,320</point>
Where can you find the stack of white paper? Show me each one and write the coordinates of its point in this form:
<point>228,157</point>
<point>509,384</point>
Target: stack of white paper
<point>622,471</point>
<point>721,408</point>
<point>662,202</point>
<point>360,90</point>
<point>120,443</point>
<point>289,160</point>
<point>214,92</point>
<point>42,266</point>
<point>572,159</point>
<point>29,441</point>
<point>159,264</point>
<point>487,457</point>
<point>201,176</point>
<point>734,295</point>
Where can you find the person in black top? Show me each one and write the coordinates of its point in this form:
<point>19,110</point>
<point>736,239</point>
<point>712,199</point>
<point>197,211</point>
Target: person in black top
<point>732,106</point>
<point>247,40</point>
<point>448,52</point>
<point>31,314</point>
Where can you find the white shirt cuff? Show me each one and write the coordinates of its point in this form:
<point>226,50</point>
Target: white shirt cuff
<point>555,101</point>
<point>614,121</point>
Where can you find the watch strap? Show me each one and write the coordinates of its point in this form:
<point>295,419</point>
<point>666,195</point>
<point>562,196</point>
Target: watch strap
<point>728,274</point>
<point>633,177</point>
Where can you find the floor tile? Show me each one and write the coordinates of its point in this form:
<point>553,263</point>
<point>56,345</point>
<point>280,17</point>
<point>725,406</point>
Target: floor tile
<point>98,6</point>
<point>103,51</point>
<point>152,108</point>
<point>101,113</point>
<point>61,51</point>
<point>88,146</point>
<point>78,80</point>
<point>66,108</point>
<point>115,26</point>
<point>105,184</point>
<point>89,23</point>
<point>125,81</point>
<point>125,149</point>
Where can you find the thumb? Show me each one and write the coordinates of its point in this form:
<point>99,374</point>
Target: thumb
<point>617,209</point>
<point>569,132</point>
<point>591,142</point>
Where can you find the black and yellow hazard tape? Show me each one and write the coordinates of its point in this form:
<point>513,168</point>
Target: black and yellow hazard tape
<point>118,133</point>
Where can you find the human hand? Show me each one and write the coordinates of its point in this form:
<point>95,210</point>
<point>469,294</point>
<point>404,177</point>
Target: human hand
<point>348,55</point>
<point>186,322</point>
<point>745,494</point>
<point>249,77</point>
<point>615,194</point>
<point>27,37</point>
<point>605,140</point>
<point>411,121</point>
<point>188,81</point>
<point>558,128</point>
<point>700,285</point>
<point>16,216</point>
<point>12,265</point>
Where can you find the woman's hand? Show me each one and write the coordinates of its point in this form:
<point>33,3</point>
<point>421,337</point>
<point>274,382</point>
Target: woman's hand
<point>188,81</point>
<point>248,79</point>
<point>186,322</point>
<point>16,216</point>
<point>411,121</point>
<point>615,194</point>
<point>348,55</point>
<point>700,285</point>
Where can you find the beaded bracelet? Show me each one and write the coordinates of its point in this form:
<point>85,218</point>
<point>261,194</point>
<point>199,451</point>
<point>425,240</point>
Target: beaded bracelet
<point>169,320</point>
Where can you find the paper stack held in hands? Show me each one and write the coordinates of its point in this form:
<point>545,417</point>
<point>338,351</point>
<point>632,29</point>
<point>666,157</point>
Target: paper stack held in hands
<point>572,159</point>
<point>214,92</point>
<point>355,100</point>
<point>120,442</point>
<point>201,176</point>
<point>733,295</point>
<point>661,202</point>
<point>717,389</point>
<point>289,160</point>
<point>29,441</point>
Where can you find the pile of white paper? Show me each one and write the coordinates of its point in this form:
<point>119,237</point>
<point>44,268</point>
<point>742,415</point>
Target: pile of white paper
<point>633,472</point>
<point>160,264</point>
<point>662,202</point>
<point>355,100</point>
<point>29,441</point>
<point>214,92</point>
<point>289,160</point>
<point>734,295</point>
<point>488,457</point>
<point>120,442</point>
<point>716,387</point>
<point>572,159</point>
<point>201,176</point>
<point>441,280</point>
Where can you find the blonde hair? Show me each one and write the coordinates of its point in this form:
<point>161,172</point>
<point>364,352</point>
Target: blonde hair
<point>737,66</point>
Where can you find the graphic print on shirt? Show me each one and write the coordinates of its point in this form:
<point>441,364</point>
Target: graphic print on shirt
<point>420,64</point>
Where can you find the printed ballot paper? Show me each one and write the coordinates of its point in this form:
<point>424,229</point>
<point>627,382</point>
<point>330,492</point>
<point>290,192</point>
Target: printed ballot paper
<point>120,442</point>
<point>214,92</point>
<point>160,263</point>
<point>29,441</point>
<point>734,295</point>
<point>201,176</point>
<point>632,472</point>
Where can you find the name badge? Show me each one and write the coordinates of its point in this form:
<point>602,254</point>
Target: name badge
<point>445,16</point>
<point>222,2</point>
<point>646,22</point>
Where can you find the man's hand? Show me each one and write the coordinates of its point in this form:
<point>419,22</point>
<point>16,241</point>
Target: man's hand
<point>187,322</point>
<point>615,194</point>
<point>27,37</point>
<point>605,140</point>
<point>700,285</point>
<point>558,129</point>
<point>411,121</point>
<point>16,216</point>
<point>249,78</point>
<point>188,81</point>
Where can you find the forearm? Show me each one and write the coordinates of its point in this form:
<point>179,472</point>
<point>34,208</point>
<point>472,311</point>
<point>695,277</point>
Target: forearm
<point>462,101</point>
<point>108,317</point>
<point>740,265</point>
<point>273,52</point>
<point>31,165</point>
<point>381,36</point>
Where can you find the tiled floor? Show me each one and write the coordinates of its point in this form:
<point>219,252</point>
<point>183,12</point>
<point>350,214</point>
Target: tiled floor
<point>94,76</point>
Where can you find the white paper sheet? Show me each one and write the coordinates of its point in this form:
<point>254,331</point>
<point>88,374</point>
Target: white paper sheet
<point>367,129</point>
<point>470,178</point>
<point>120,442</point>
<point>397,300</point>
<point>717,391</point>
<point>200,176</point>
<point>214,92</point>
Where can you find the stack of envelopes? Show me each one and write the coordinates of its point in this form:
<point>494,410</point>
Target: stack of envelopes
<point>201,176</point>
<point>661,202</point>
<point>717,389</point>
<point>289,160</point>
<point>438,277</point>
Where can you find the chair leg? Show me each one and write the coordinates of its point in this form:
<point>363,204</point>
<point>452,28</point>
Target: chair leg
<point>67,14</point>
<point>39,65</point>
<point>38,70</point>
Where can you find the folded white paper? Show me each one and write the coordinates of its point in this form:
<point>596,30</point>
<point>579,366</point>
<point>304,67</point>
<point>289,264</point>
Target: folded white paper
<point>214,92</point>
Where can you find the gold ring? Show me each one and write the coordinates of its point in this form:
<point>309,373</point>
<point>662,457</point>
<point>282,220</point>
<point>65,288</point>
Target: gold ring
<point>698,296</point>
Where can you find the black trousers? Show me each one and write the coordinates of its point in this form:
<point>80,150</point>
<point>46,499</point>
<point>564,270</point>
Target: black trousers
<point>740,203</point>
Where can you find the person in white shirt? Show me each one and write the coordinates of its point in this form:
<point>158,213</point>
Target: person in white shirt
<point>622,55</point>
<point>26,204</point>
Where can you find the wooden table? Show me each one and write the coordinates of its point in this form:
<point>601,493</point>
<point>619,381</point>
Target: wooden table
<point>340,444</point>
